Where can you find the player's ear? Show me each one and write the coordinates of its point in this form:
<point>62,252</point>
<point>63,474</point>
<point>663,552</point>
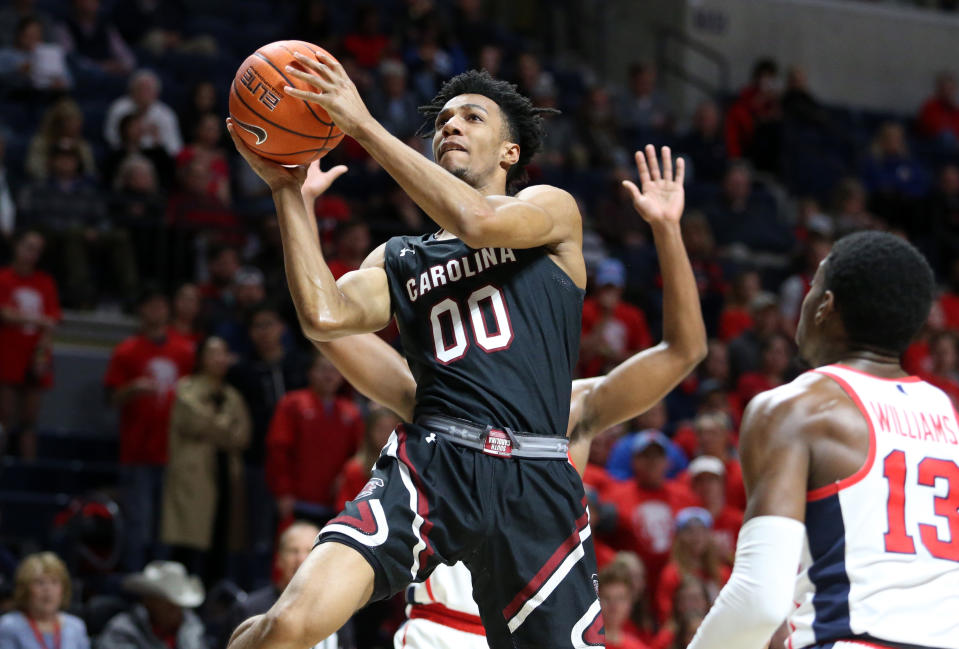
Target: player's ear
<point>827,304</point>
<point>510,154</point>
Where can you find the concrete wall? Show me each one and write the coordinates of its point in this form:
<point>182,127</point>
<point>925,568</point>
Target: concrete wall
<point>859,55</point>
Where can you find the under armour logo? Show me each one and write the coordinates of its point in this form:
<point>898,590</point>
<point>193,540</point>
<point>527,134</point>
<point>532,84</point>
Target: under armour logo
<point>431,438</point>
<point>407,250</point>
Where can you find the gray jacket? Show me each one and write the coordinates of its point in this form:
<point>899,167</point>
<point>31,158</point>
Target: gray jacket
<point>132,630</point>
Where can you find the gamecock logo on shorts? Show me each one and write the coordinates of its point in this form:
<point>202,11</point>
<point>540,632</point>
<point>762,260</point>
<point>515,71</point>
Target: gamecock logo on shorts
<point>372,485</point>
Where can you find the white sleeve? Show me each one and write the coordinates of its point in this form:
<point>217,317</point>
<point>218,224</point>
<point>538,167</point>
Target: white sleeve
<point>758,596</point>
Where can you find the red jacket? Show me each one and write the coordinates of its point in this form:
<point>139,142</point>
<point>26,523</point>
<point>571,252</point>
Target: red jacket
<point>308,443</point>
<point>350,482</point>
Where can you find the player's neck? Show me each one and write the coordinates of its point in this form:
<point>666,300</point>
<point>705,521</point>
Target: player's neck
<point>870,362</point>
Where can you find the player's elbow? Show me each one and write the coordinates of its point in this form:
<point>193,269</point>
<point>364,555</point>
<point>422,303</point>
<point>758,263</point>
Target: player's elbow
<point>319,328</point>
<point>695,351</point>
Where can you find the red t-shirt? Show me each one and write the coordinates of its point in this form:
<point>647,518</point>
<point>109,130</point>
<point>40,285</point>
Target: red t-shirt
<point>670,579</point>
<point>33,294</point>
<point>598,478</point>
<point>367,48</point>
<point>350,482</point>
<point>145,417</point>
<point>627,641</point>
<point>949,303</point>
<point>937,117</point>
<point>750,384</point>
<point>733,321</point>
<point>645,523</point>
<point>308,443</point>
<point>725,531</point>
<point>916,359</point>
<point>627,332</point>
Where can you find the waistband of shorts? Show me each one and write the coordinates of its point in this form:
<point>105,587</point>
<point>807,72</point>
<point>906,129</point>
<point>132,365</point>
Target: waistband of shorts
<point>440,614</point>
<point>499,442</point>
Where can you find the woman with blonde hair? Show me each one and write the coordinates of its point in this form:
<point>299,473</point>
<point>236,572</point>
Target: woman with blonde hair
<point>62,121</point>
<point>41,592</point>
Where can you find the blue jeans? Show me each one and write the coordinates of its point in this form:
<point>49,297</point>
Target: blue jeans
<point>141,488</point>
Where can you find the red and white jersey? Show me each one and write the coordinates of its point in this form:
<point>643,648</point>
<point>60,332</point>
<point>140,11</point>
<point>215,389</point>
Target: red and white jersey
<point>881,559</point>
<point>446,598</point>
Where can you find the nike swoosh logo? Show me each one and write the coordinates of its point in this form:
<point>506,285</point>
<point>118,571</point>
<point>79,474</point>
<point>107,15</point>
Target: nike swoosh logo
<point>258,131</point>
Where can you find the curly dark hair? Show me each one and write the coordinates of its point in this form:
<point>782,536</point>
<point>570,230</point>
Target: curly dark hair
<point>883,287</point>
<point>524,121</point>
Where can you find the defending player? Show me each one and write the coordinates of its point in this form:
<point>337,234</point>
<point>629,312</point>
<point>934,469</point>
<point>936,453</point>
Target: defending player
<point>489,313</point>
<point>863,455</point>
<point>442,611</point>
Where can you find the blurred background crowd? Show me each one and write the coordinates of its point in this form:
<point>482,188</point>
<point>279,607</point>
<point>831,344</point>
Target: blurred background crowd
<point>121,197</point>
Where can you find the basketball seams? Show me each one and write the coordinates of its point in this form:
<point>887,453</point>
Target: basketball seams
<point>271,122</point>
<point>330,124</point>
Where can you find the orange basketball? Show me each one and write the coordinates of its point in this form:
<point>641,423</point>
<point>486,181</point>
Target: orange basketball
<point>277,126</point>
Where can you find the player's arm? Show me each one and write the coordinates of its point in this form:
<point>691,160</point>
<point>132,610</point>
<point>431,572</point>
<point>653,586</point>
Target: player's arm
<point>639,382</point>
<point>327,309</point>
<point>775,457</point>
<point>537,216</point>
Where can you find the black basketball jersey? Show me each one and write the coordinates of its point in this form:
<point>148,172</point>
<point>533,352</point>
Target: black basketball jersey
<point>491,335</point>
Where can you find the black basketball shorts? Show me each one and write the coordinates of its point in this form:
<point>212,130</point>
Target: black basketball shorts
<point>520,525</point>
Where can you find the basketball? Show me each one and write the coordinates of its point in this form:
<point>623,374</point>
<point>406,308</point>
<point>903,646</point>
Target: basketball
<point>277,126</point>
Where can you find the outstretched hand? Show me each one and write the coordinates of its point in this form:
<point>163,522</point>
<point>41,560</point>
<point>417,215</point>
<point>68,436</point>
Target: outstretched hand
<point>273,174</point>
<point>661,198</point>
<point>318,181</point>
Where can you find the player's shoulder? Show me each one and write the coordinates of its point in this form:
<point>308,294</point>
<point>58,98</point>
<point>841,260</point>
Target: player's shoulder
<point>550,197</point>
<point>805,402</point>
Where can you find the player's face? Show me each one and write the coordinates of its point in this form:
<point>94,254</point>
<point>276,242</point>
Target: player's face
<point>293,551</point>
<point>805,337</point>
<point>470,139</point>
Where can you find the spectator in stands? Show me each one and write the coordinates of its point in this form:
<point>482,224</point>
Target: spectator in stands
<point>197,216</point>
<point>204,149</point>
<point>939,116</point>
<point>892,175</point>
<point>474,30</point>
<point>41,593</point>
<point>641,622</point>
<point>163,618</point>
<point>643,108</point>
<point>753,121</point>
<point>160,27</point>
<point>701,247</point>
<point>313,23</point>
<point>90,37</point>
<point>68,209</point>
<point>799,104</point>
<point>703,146</point>
<point>944,370</point>
<point>612,329</point>
<point>736,317</point>
<point>694,553</point>
<point>203,496</point>
<point>743,216</point>
<point>616,591</point>
<point>745,351</point>
<point>380,422</point>
<point>707,476</point>
<point>599,130</point>
<point>714,438</point>
<point>32,66</point>
<point>186,313</point>
<point>849,208</point>
<point>367,42</point>
<point>140,382</point>
<point>248,293</point>
<point>312,435</point>
<point>8,208</point>
<point>647,504</point>
<point>63,120</point>
<point>219,291</point>
<point>13,12</point>
<point>949,300</point>
<point>776,352</point>
<point>270,371</point>
<point>352,247</point>
<point>136,205</point>
<point>392,103</point>
<point>29,310</point>
<point>203,99</point>
<point>944,215</point>
<point>131,129</point>
<point>794,289</point>
<point>160,125</point>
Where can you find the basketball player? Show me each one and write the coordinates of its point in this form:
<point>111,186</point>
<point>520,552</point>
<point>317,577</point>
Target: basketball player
<point>489,312</point>
<point>441,611</point>
<point>851,472</point>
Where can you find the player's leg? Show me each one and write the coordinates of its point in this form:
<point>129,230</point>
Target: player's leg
<point>332,584</point>
<point>535,577</point>
<point>424,634</point>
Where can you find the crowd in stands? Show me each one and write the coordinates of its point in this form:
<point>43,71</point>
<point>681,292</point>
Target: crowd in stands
<point>120,192</point>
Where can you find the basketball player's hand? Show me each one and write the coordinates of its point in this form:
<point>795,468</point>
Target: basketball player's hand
<point>318,181</point>
<point>336,92</point>
<point>660,197</point>
<point>273,174</point>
